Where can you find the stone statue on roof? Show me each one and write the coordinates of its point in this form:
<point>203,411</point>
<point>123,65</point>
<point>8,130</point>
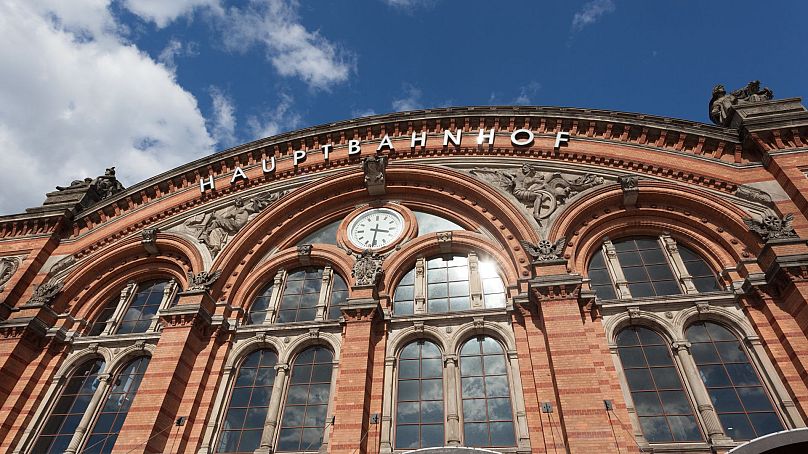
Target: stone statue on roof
<point>721,101</point>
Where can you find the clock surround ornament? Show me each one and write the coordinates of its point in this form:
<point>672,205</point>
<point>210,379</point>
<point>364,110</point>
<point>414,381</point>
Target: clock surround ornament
<point>377,227</point>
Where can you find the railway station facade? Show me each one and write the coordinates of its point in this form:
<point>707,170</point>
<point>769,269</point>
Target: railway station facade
<point>516,279</point>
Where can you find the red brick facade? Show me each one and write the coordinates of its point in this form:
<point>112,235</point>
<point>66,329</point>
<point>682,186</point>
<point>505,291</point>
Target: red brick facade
<point>619,176</point>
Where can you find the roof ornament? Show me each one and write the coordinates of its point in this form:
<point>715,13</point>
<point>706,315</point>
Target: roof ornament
<point>721,102</point>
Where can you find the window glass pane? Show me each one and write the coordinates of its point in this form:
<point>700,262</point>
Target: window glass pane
<point>100,323</point>
<point>485,394</point>
<point>419,413</point>
<point>646,268</point>
<point>447,284</point>
<point>325,235</point>
<point>430,223</point>
<point>143,309</point>
<point>732,383</point>
<point>404,296</point>
<point>260,305</point>
<point>69,408</point>
<point>119,399</point>
<point>309,398</point>
<point>665,411</point>
<point>339,295</point>
<point>703,276</point>
<point>300,295</point>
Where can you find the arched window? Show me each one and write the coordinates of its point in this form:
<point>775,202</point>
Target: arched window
<point>742,404</point>
<point>662,405</point>
<point>134,309</point>
<point>249,402</point>
<point>69,408</point>
<point>419,411</point>
<point>303,422</point>
<point>485,393</point>
<point>104,432</point>
<point>638,267</point>
<point>310,293</point>
<point>451,283</point>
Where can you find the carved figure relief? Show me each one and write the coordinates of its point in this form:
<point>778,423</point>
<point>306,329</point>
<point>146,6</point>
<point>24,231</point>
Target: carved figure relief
<point>771,227</point>
<point>8,266</point>
<point>541,192</point>
<point>215,229</point>
<point>722,101</point>
<point>46,292</point>
<point>202,281</point>
<point>368,268</point>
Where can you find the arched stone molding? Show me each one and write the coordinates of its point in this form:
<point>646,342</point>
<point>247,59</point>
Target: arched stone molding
<point>134,351</point>
<point>280,223</point>
<point>652,320</point>
<point>304,341</point>
<point>713,228</point>
<point>401,262</point>
<point>80,356</point>
<point>264,272</point>
<point>733,320</point>
<point>484,328</point>
<point>401,338</point>
<point>258,342</point>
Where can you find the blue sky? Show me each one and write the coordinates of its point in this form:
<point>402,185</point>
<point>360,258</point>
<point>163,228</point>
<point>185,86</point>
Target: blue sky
<point>147,85</point>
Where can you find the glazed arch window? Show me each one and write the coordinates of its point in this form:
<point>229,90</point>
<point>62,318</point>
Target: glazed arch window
<point>638,267</point>
<point>134,309</point>
<point>449,283</point>
<point>89,391</point>
<point>302,294</point>
<point>419,397</point>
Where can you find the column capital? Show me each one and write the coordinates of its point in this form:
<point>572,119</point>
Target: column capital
<point>680,346</point>
<point>450,358</point>
<point>282,367</point>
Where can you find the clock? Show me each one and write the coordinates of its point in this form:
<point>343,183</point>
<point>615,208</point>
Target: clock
<point>376,228</point>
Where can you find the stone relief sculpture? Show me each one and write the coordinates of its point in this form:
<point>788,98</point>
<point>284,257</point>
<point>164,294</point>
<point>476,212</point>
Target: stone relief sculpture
<point>753,195</point>
<point>8,266</point>
<point>722,101</point>
<point>375,168</point>
<point>46,292</point>
<point>544,250</point>
<point>541,192</point>
<point>772,227</point>
<point>203,280</point>
<point>368,268</point>
<point>216,228</point>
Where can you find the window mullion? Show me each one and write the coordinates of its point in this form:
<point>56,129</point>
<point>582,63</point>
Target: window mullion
<point>89,414</point>
<point>127,294</point>
<point>452,413</point>
<point>678,265</point>
<point>275,298</point>
<point>271,423</point>
<point>419,290</point>
<point>613,266</point>
<point>475,284</point>
<point>325,292</point>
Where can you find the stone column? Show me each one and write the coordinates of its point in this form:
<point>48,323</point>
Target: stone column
<point>715,431</point>
<point>679,268</point>
<point>788,407</point>
<point>452,407</point>
<point>120,309</point>
<point>92,409</point>
<point>275,297</point>
<point>613,266</point>
<point>273,413</point>
<point>386,444</point>
<point>419,289</point>
<point>475,284</point>
<point>325,295</point>
<point>522,432</point>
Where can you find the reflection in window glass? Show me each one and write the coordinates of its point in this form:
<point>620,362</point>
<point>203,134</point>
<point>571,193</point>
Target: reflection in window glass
<point>304,415</point>
<point>326,235</point>
<point>69,409</point>
<point>104,431</point>
<point>249,402</point>
<point>300,295</point>
<point>339,295</point>
<point>645,267</point>
<point>429,223</point>
<point>143,309</point>
<point>447,284</point>
<point>493,289</point>
<point>486,397</point>
<point>100,323</point>
<point>260,306</point>
<point>404,298</point>
<point>703,277</point>
<point>743,406</point>
<point>600,281</point>
<point>419,409</point>
<point>662,405</point>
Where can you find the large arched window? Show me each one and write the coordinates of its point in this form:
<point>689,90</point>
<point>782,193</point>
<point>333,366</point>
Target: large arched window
<point>742,404</point>
<point>450,283</point>
<point>104,432</point>
<point>134,309</point>
<point>662,405</point>
<point>70,408</point>
<point>419,410</point>
<point>485,394</point>
<point>304,415</point>
<point>249,402</point>
<point>638,267</point>
<point>307,294</point>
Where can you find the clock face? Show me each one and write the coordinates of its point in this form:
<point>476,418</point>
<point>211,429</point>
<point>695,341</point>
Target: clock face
<point>376,228</point>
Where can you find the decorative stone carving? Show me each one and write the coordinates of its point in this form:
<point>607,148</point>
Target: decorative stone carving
<point>216,228</point>
<point>202,281</point>
<point>148,239</point>
<point>46,292</point>
<point>544,250</point>
<point>771,227</point>
<point>8,266</point>
<point>445,241</point>
<point>304,254</point>
<point>368,268</point>
<point>375,168</point>
<point>753,195</point>
<point>721,101</point>
<point>63,264</point>
<point>630,184</point>
<point>541,192</point>
<point>83,193</point>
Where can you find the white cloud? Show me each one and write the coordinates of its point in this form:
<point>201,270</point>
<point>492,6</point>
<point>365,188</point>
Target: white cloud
<point>293,50</point>
<point>223,123</point>
<point>362,113</point>
<point>78,99</point>
<point>407,4</point>
<point>163,12</point>
<point>280,119</point>
<point>526,93</point>
<point>410,101</point>
<point>591,13</point>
